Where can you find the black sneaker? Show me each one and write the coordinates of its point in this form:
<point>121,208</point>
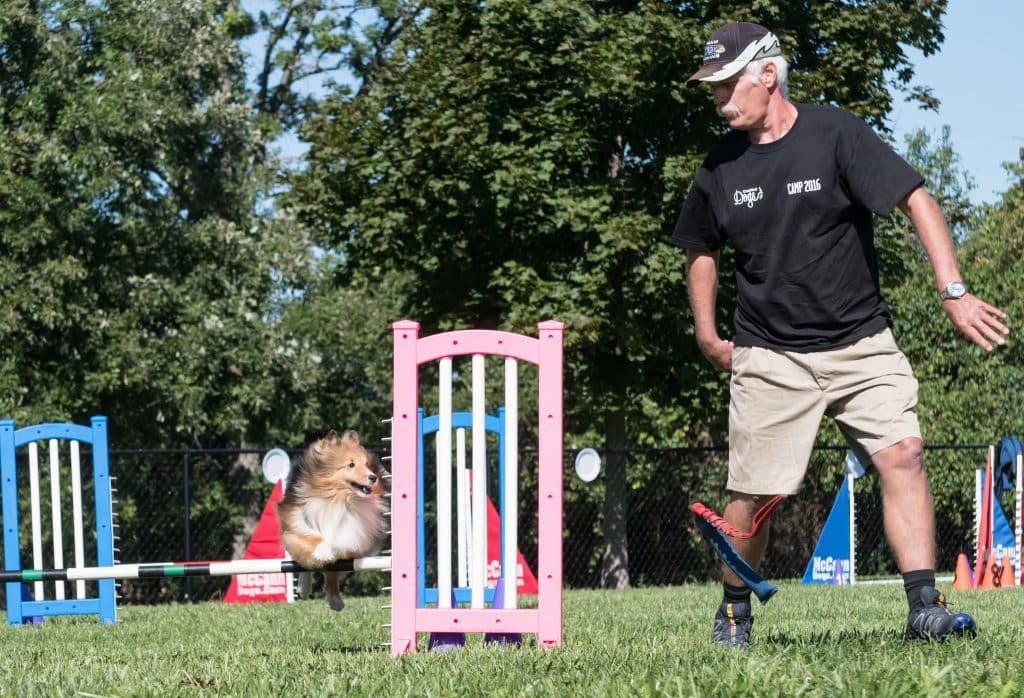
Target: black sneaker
<point>732,625</point>
<point>935,622</point>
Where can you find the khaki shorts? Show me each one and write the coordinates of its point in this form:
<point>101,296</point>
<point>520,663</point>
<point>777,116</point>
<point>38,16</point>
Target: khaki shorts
<point>777,400</point>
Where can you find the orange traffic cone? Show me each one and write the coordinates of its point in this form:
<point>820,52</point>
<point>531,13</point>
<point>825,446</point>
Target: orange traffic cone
<point>988,578</point>
<point>963,579</point>
<point>1006,573</point>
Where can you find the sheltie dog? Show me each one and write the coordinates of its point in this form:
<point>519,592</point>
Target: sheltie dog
<point>334,508</point>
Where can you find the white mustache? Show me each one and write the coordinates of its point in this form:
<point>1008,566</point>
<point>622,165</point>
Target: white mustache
<point>728,111</point>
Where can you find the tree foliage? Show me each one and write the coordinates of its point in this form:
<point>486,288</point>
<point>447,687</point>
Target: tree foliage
<point>136,278</point>
<point>967,394</point>
<point>304,48</point>
<point>526,159</point>
<point>472,165</point>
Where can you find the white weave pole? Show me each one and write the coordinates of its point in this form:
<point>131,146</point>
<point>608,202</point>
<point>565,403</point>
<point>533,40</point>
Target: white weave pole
<point>478,565</point>
<point>37,525</point>
<point>55,516</point>
<point>305,578</point>
<point>853,529</point>
<point>76,510</point>
<point>992,509</point>
<point>1017,528</point>
<point>444,485</point>
<point>462,516</point>
<point>510,516</point>
<point>979,478</point>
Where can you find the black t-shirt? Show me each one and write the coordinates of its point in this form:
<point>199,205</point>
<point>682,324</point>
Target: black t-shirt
<point>798,212</point>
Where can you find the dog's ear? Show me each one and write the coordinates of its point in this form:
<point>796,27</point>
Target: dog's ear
<point>351,436</point>
<point>330,439</point>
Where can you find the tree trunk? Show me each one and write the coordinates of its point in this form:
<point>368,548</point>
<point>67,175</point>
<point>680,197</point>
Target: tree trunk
<point>615,561</point>
<point>251,463</point>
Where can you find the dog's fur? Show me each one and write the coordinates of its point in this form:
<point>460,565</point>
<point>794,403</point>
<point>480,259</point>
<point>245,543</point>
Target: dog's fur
<point>334,507</point>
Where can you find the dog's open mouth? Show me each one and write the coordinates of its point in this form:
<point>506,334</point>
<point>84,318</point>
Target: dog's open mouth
<point>363,490</point>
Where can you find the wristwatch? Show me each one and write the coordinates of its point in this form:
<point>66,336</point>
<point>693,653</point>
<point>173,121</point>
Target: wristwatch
<point>953,290</point>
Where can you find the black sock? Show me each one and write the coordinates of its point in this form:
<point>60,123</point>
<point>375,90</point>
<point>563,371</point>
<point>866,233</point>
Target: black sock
<point>731,594</point>
<point>913,582</point>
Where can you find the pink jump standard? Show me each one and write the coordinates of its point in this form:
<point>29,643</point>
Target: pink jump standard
<point>410,352</point>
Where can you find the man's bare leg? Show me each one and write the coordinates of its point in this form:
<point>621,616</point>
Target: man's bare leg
<point>733,620</point>
<point>910,528</point>
<point>739,513</point>
<point>907,505</point>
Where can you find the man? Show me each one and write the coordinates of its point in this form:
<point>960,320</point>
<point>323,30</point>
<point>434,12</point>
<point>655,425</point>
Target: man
<point>793,188</point>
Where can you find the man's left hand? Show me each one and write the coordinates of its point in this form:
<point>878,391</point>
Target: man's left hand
<point>981,322</point>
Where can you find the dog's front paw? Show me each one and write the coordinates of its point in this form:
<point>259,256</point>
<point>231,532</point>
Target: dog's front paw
<point>323,553</point>
<point>335,602</point>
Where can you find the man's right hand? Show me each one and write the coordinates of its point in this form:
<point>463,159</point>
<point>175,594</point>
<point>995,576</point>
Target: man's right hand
<point>719,352</point>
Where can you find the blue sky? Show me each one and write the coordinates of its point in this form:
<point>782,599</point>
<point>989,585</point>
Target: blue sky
<point>975,75</point>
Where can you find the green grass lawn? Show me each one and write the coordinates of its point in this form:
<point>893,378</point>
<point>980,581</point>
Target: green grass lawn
<point>809,641</point>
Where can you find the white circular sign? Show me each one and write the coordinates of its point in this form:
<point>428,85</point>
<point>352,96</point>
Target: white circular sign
<point>588,464</point>
<point>276,465</point>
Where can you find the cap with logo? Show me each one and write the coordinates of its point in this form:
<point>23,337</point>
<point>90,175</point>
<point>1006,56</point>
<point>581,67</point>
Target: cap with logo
<point>731,48</point>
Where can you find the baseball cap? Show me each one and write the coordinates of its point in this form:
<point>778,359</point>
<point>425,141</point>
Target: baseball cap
<point>731,48</point>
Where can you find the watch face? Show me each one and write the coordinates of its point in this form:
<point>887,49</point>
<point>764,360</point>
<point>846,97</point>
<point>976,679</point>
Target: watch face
<point>955,289</point>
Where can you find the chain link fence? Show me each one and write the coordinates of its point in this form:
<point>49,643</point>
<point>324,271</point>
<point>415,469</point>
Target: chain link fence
<point>665,547</point>
<point>195,505</point>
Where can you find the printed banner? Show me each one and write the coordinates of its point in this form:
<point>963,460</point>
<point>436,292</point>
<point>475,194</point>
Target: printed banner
<point>265,544</point>
<point>834,543</point>
<point>526,582</point>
